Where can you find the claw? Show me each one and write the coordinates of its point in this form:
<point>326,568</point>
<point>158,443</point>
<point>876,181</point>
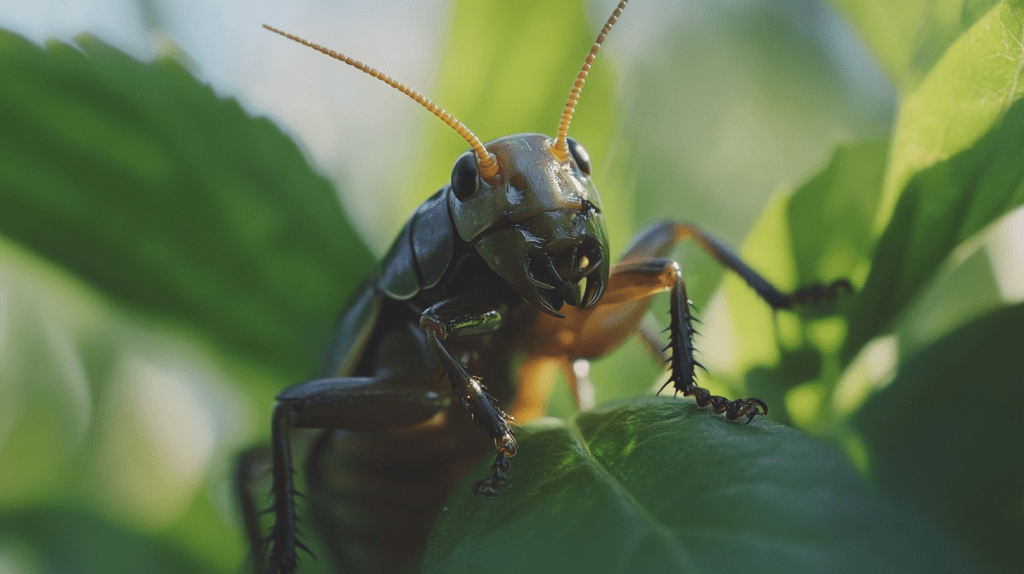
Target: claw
<point>484,488</point>
<point>543,302</point>
<point>595,288</point>
<point>490,487</point>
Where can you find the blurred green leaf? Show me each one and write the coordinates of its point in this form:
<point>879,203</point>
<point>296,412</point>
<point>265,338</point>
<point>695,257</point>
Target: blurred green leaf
<point>939,209</point>
<point>909,36</point>
<point>735,105</point>
<point>962,291</point>
<point>965,97</point>
<point>829,217</point>
<point>145,183</point>
<point>953,166</point>
<point>952,169</point>
<point>52,541</point>
<point>820,233</point>
<point>945,435</point>
<point>656,485</point>
<point>827,221</point>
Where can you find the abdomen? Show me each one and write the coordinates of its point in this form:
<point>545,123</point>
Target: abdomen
<point>374,496</point>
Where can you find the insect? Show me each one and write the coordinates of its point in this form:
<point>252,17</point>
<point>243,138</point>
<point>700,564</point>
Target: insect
<point>509,259</point>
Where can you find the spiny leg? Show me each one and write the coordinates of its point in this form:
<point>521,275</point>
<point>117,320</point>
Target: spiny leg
<point>249,468</point>
<point>347,403</point>
<point>642,274</point>
<point>657,241</point>
<point>455,318</point>
<point>284,535</point>
<point>638,280</point>
<point>683,366</point>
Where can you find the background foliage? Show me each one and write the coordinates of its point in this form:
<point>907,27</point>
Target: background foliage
<point>168,262</point>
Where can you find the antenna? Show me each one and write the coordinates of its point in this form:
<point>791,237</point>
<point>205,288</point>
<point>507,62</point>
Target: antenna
<point>560,149</point>
<point>486,163</point>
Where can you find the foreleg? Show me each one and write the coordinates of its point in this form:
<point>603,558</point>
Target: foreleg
<point>451,318</point>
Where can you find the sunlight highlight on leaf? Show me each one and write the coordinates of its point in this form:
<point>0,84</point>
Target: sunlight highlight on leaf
<point>962,98</point>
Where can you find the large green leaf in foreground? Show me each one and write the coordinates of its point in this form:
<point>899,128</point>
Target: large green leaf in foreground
<point>145,183</point>
<point>656,485</point>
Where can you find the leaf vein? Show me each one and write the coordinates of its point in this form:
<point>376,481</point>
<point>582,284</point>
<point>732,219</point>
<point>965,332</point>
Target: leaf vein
<point>661,530</point>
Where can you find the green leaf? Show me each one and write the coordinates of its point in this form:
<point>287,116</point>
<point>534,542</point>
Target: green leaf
<point>939,209</point>
<point>946,437</point>
<point>829,217</point>
<point>952,169</point>
<point>965,97</point>
<point>953,165</point>
<point>145,183</point>
<point>828,221</point>
<point>50,541</point>
<point>818,234</point>
<point>729,107</point>
<point>909,36</point>
<point>656,485</point>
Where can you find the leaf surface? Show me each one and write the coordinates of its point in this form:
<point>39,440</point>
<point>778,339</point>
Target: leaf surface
<point>656,485</point>
<point>142,181</point>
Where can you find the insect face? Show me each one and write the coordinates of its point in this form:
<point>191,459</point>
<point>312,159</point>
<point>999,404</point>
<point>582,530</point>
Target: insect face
<point>538,224</point>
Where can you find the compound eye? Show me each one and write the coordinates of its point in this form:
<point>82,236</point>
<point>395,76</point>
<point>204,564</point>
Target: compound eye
<point>465,178</point>
<point>580,155</point>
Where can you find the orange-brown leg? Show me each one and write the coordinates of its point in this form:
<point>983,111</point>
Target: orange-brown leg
<point>537,376</point>
<point>659,239</point>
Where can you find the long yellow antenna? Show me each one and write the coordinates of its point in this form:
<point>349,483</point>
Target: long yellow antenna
<point>486,163</point>
<point>560,149</point>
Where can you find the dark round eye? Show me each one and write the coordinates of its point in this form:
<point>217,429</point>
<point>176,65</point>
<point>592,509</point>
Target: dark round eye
<point>465,179</point>
<point>580,155</point>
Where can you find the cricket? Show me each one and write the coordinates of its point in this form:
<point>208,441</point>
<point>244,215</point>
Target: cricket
<point>508,259</point>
